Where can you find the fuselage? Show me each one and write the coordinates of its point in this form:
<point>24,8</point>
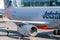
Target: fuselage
<point>49,14</point>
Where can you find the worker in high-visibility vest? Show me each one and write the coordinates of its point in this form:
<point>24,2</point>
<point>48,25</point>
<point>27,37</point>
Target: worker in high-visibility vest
<point>7,31</point>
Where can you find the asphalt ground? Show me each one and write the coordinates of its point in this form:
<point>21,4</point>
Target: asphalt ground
<point>13,34</point>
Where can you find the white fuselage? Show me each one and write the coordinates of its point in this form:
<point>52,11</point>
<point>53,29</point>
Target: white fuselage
<point>49,14</point>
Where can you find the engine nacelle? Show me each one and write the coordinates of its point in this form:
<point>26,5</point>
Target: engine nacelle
<point>28,30</point>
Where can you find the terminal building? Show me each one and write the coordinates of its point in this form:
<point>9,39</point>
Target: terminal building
<point>29,3</point>
<point>36,2</point>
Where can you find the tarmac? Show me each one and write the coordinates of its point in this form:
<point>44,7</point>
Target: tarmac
<point>13,35</point>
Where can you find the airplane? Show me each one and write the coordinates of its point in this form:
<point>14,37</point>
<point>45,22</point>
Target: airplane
<point>29,19</point>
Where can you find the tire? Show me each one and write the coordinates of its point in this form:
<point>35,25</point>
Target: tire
<point>58,32</point>
<point>54,32</point>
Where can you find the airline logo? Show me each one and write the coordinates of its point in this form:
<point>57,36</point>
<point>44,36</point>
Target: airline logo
<point>51,15</point>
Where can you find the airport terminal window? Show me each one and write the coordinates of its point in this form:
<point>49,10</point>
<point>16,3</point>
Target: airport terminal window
<point>29,3</point>
<point>41,3</point>
<point>58,3</point>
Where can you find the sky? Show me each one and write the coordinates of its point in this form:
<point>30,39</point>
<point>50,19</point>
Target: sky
<point>1,4</point>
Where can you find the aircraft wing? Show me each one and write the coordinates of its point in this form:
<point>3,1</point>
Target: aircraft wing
<point>25,22</point>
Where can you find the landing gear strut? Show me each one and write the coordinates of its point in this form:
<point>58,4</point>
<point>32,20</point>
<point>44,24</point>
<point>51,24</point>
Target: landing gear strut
<point>56,32</point>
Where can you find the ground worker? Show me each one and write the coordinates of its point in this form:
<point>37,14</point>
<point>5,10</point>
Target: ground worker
<point>7,31</point>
